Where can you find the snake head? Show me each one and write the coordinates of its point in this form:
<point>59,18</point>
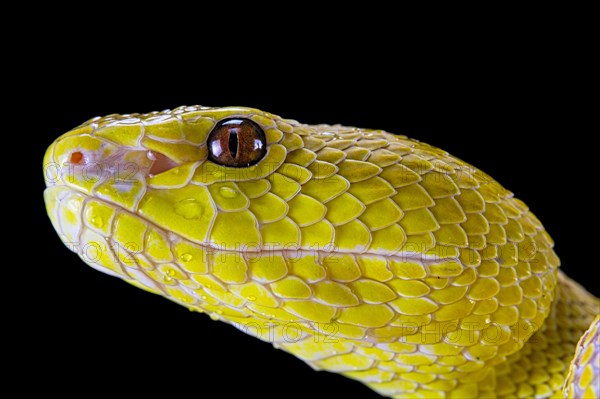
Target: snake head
<point>247,216</point>
<point>203,174</point>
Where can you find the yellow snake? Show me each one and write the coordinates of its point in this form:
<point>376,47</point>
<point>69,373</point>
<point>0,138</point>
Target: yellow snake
<point>358,251</point>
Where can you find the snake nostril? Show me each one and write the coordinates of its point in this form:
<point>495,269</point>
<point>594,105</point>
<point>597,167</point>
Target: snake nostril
<point>76,157</point>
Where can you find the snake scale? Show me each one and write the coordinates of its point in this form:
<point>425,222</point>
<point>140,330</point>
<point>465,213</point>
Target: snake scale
<point>358,251</point>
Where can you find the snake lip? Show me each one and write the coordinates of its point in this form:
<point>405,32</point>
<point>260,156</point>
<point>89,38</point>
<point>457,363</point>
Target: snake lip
<point>214,249</point>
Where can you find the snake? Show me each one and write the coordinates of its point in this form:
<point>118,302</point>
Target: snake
<point>360,252</point>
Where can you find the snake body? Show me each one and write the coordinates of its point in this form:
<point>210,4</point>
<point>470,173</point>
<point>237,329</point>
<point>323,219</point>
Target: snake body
<point>358,251</point>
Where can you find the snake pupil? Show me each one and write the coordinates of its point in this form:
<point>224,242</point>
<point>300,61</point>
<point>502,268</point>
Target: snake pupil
<point>233,143</point>
<point>236,142</point>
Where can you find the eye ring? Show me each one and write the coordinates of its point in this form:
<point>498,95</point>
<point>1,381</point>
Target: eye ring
<point>236,142</point>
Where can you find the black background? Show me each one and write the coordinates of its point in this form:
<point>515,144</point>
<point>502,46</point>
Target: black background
<point>514,115</point>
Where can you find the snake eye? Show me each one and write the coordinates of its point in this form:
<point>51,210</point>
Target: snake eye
<point>236,142</point>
